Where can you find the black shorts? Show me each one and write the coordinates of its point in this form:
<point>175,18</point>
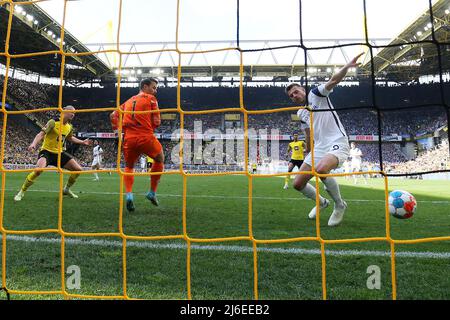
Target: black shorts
<point>149,165</point>
<point>297,163</point>
<point>52,158</point>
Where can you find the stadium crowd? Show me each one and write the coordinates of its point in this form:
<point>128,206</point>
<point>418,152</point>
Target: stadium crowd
<point>436,158</point>
<point>24,95</point>
<point>357,121</point>
<point>17,140</point>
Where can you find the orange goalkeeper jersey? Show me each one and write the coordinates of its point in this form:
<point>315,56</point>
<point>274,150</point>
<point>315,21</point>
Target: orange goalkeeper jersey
<point>140,124</point>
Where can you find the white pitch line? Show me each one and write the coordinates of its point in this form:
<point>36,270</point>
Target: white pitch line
<point>241,249</point>
<point>231,197</point>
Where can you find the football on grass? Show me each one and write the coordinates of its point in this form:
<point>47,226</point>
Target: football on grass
<point>402,204</point>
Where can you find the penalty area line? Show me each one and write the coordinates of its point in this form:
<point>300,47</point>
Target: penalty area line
<point>233,248</point>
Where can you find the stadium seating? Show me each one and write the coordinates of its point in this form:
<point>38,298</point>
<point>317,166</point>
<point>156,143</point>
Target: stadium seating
<point>361,121</point>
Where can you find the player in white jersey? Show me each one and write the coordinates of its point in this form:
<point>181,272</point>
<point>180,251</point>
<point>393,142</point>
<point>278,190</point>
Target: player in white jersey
<point>331,147</point>
<point>356,155</point>
<point>346,167</point>
<point>143,163</point>
<point>97,159</point>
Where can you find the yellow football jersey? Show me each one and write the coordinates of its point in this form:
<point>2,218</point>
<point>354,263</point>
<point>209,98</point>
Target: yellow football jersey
<point>149,160</point>
<point>51,138</point>
<point>297,150</point>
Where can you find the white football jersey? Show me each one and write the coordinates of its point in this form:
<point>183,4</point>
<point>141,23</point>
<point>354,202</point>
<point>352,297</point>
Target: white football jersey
<point>143,161</point>
<point>355,154</point>
<point>326,125</point>
<point>97,152</point>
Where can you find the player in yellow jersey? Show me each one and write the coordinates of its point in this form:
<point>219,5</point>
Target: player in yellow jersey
<point>149,163</point>
<point>48,154</point>
<point>297,157</point>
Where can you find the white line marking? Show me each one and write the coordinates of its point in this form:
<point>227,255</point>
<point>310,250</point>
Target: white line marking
<point>153,245</point>
<point>300,198</point>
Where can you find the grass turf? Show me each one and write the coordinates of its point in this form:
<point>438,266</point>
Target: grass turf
<point>217,207</point>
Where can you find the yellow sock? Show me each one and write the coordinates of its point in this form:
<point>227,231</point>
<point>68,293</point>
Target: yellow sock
<point>286,180</point>
<point>73,177</point>
<point>29,180</point>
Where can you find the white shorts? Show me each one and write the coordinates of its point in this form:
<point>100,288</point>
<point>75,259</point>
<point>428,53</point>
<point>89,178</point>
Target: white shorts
<point>96,162</point>
<point>356,165</point>
<point>340,149</point>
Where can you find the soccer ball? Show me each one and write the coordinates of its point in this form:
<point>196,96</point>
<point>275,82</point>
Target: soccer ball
<point>402,204</point>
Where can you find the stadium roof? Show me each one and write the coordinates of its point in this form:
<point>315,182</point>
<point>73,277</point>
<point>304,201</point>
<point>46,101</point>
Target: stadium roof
<point>407,58</point>
<point>33,31</point>
<point>279,60</point>
<point>400,62</point>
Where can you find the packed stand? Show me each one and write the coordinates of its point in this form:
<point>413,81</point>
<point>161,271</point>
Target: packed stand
<point>437,158</point>
<point>18,138</point>
<point>359,121</point>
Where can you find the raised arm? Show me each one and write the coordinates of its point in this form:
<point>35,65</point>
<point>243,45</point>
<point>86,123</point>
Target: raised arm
<point>337,77</point>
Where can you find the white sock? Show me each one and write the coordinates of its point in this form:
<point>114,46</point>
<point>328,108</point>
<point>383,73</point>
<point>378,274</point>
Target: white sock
<point>96,175</point>
<point>310,192</point>
<point>333,190</point>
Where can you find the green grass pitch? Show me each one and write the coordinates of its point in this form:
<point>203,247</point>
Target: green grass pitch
<point>218,207</point>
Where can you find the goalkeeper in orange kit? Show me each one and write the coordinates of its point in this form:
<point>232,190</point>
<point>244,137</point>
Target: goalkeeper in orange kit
<point>139,137</point>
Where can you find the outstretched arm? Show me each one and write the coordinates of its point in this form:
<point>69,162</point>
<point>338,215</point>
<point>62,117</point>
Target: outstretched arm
<point>337,77</point>
<point>86,142</point>
<point>37,139</point>
<point>40,136</point>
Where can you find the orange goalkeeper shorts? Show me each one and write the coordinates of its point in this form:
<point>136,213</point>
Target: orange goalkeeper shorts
<point>134,146</point>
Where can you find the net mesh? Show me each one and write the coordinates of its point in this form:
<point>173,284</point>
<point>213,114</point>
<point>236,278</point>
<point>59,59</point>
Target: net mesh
<point>185,175</point>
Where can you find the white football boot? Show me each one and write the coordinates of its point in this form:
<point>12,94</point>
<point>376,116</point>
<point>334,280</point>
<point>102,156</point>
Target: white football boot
<point>19,195</point>
<point>337,215</point>
<point>312,213</point>
<point>68,192</point>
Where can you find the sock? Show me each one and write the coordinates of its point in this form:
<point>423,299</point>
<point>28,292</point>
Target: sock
<point>128,180</point>
<point>29,181</point>
<point>310,192</point>
<point>96,175</point>
<point>154,180</point>
<point>73,177</point>
<point>333,190</point>
<point>286,180</point>
<point>130,196</point>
